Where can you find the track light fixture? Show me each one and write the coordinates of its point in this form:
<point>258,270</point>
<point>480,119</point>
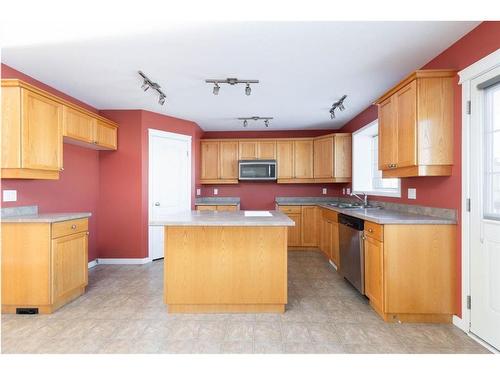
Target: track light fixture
<point>147,83</point>
<point>216,88</point>
<point>338,104</point>
<point>255,118</point>
<point>232,82</point>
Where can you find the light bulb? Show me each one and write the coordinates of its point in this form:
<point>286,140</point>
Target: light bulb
<point>248,90</point>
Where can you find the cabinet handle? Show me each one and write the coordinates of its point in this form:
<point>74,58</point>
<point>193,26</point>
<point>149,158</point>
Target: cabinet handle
<point>61,169</point>
<point>73,226</point>
<point>87,234</point>
<point>370,230</point>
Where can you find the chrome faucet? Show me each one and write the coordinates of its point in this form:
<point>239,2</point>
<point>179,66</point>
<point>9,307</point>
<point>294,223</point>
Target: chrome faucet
<point>364,199</point>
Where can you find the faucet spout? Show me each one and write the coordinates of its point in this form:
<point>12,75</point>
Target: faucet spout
<point>364,199</point>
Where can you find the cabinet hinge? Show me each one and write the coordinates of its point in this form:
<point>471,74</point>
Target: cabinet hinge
<point>468,108</point>
<point>468,302</point>
<point>467,204</point>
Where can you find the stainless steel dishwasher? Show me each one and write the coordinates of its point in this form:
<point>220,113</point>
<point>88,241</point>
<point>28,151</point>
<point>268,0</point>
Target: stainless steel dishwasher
<point>352,260</point>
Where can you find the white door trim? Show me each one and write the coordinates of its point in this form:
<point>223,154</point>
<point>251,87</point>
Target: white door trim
<point>175,136</point>
<point>475,70</point>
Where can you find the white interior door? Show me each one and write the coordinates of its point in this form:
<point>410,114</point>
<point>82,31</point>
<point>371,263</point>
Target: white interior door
<point>485,208</point>
<point>169,182</point>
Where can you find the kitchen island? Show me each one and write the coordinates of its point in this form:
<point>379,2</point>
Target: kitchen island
<point>217,262</point>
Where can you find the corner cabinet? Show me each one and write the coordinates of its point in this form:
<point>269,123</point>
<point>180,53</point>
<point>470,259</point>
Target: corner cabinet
<point>44,265</point>
<point>416,125</point>
<point>34,125</point>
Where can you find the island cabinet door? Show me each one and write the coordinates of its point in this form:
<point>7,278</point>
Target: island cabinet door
<point>69,264</point>
<point>374,272</point>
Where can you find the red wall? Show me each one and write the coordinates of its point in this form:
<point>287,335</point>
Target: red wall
<point>261,195</point>
<point>77,189</point>
<point>445,191</point>
<point>123,200</point>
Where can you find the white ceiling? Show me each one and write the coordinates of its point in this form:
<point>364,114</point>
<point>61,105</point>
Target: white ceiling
<point>303,67</point>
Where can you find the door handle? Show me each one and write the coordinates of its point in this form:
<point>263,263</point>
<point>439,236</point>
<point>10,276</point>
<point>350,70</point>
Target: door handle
<point>157,204</point>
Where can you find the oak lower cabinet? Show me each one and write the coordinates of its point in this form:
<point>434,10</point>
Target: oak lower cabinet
<point>332,158</point>
<point>306,232</point>
<point>410,271</point>
<point>415,120</point>
<point>295,232</point>
<point>208,207</point>
<point>309,226</point>
<point>44,265</point>
<point>219,162</point>
<point>329,234</point>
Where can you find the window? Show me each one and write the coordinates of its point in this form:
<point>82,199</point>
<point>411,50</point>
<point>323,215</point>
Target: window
<point>492,153</point>
<point>366,177</point>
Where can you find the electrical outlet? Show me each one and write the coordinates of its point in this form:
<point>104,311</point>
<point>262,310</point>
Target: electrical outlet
<point>198,191</point>
<point>412,193</point>
<point>324,191</point>
<point>343,191</point>
<point>216,191</point>
<point>348,191</point>
<point>9,195</point>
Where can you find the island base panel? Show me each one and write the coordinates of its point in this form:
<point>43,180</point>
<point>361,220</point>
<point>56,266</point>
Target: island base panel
<point>257,308</point>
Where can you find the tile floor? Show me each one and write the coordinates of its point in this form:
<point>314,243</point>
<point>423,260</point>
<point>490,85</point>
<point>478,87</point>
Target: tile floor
<point>123,312</point>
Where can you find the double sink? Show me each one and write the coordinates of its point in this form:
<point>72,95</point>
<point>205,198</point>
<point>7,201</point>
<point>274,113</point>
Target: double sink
<point>354,206</point>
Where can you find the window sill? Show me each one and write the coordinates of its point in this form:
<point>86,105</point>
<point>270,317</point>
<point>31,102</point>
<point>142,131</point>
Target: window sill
<point>381,193</point>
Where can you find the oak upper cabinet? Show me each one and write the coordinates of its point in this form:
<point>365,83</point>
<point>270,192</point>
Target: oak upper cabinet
<point>416,125</point>
<point>34,123</point>
<point>228,160</point>
<point>332,158</point>
<point>285,159</point>
<point>31,133</point>
<point>255,149</point>
<point>87,130</point>
<point>303,159</point>
<point>105,135</point>
<point>219,162</point>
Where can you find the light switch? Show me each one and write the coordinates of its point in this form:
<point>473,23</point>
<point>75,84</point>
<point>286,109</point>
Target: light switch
<point>348,190</point>
<point>198,191</point>
<point>324,191</point>
<point>216,191</point>
<point>412,193</point>
<point>9,195</point>
<point>343,191</point>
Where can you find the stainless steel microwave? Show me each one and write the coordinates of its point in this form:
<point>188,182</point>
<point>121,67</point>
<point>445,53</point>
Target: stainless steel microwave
<point>257,169</point>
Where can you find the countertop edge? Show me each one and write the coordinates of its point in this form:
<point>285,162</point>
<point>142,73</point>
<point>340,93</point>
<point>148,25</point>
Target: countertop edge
<point>46,218</point>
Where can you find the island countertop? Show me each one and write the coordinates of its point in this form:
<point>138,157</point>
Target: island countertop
<point>226,219</point>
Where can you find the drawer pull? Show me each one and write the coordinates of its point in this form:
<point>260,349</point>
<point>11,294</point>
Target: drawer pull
<point>370,230</point>
<point>73,226</point>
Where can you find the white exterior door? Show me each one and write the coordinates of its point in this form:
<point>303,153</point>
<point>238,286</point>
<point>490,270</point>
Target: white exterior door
<point>169,182</point>
<point>485,207</point>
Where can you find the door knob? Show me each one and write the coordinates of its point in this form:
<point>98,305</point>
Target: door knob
<point>157,204</point>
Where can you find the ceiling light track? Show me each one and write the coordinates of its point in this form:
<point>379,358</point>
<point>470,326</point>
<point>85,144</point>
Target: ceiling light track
<point>255,118</point>
<point>339,104</point>
<point>232,82</point>
<point>147,83</point>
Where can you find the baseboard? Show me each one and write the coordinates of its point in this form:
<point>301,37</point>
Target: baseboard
<point>93,263</point>
<point>460,323</point>
<point>123,260</point>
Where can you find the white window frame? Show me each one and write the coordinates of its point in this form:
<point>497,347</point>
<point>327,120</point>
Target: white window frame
<point>475,70</point>
<point>356,165</point>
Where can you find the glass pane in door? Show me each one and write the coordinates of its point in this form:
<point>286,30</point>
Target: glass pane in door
<point>492,153</point>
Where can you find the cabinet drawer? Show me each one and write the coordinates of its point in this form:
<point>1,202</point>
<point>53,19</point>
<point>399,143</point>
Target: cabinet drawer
<point>65,228</point>
<point>329,215</point>
<point>206,208</point>
<point>291,209</point>
<point>375,231</point>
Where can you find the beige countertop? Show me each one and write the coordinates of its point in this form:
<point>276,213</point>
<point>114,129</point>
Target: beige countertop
<point>45,218</point>
<point>224,218</point>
